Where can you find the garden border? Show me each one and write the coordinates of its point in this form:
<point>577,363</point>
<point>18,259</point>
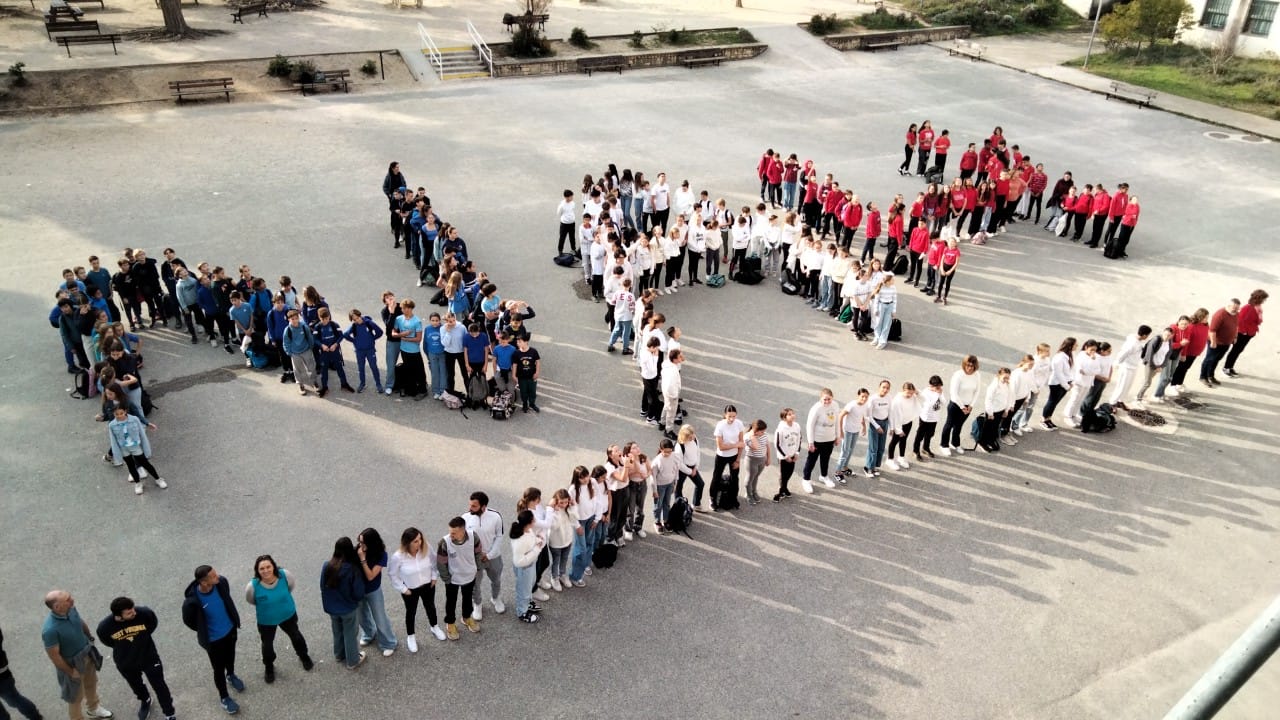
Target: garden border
<point>638,59</point>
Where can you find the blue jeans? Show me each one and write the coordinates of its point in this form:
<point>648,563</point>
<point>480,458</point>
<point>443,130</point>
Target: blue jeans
<point>621,329</point>
<point>368,357</point>
<point>524,587</point>
<point>393,355</point>
<point>436,362</point>
<point>788,195</point>
<point>847,445</point>
<point>583,545</point>
<point>374,621</point>
<point>662,505</point>
<point>346,647</point>
<point>824,292</point>
<point>882,327</point>
<point>626,211</point>
<point>876,442</point>
<point>1022,418</point>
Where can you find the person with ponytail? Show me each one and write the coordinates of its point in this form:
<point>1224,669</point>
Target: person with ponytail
<point>526,546</point>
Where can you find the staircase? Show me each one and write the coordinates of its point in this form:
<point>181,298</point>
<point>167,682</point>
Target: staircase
<point>460,63</point>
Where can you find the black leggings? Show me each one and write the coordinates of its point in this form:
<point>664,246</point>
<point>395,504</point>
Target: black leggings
<point>425,593</point>
<point>787,467</point>
<point>906,157</point>
<point>695,261</point>
<point>725,463</point>
<point>820,456</point>
<point>133,462</point>
<point>222,658</point>
<point>1056,393</point>
<point>951,428</point>
<point>868,249</point>
<point>924,438</point>
<point>944,282</point>
<point>917,267</point>
<point>898,443</point>
<point>268,635</point>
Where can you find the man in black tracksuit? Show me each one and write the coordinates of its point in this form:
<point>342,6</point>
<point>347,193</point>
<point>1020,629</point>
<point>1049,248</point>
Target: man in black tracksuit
<point>128,632</point>
<point>9,691</point>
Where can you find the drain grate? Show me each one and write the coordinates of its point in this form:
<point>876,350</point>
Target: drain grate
<point>1237,137</point>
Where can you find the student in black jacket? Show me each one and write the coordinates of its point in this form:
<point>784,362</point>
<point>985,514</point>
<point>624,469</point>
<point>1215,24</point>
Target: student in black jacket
<point>128,631</point>
<point>9,691</point>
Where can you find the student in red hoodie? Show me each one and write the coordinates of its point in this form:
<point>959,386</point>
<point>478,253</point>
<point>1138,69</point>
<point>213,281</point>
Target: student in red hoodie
<point>997,136</point>
<point>968,162</point>
<point>984,157</point>
<point>873,233</point>
<point>830,200</point>
<point>982,202</point>
<point>812,191</point>
<point>969,199</point>
<point>1101,207</point>
<point>1118,203</point>
<point>851,220</point>
<point>934,260</point>
<point>918,246</point>
<point>762,172</point>
<point>895,236</point>
<point>1247,325</point>
<point>1197,336</point>
<point>773,174</point>
<point>917,212</point>
<point>905,167</point>
<point>1081,211</point>
<point>925,146</point>
<point>940,149</point>
<point>1127,223</point>
<point>790,174</point>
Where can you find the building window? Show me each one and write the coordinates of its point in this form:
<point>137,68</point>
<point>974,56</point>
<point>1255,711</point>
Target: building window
<point>1215,14</point>
<point>1261,14</point>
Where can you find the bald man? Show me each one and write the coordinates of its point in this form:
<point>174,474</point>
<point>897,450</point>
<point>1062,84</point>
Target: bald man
<point>69,643</point>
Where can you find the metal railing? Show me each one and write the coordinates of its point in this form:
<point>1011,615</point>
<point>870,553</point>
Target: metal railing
<point>433,52</point>
<point>482,49</point>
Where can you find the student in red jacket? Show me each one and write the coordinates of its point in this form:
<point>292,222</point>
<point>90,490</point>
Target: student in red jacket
<point>1081,211</point>
<point>934,260</point>
<point>1001,201</point>
<point>812,202</point>
<point>984,157</point>
<point>997,136</point>
<point>1118,203</point>
<point>773,174</point>
<point>985,194</point>
<point>968,162</point>
<point>851,220</point>
<point>925,146</point>
<point>1197,341</point>
<point>1247,325</point>
<point>873,233</point>
<point>1101,209</point>
<point>790,175</point>
<point>830,201</point>
<point>1036,185</point>
<point>940,149</point>
<point>917,212</point>
<point>895,237</point>
<point>905,167</point>
<point>969,198</point>
<point>1127,223</point>
<point>762,170</point>
<point>918,246</point>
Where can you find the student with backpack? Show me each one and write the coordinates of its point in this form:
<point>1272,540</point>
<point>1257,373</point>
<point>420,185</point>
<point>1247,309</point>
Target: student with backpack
<point>363,336</point>
<point>298,341</point>
<point>328,336</point>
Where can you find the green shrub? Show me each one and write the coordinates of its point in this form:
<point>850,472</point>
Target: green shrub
<point>18,73</point>
<point>369,68</point>
<point>637,39</point>
<point>678,37</point>
<point>304,71</point>
<point>745,36</point>
<point>280,66</point>
<point>882,19</point>
<point>578,38</point>
<point>527,42</point>
<point>821,24</point>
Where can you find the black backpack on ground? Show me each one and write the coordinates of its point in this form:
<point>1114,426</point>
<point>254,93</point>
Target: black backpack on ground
<point>477,391</point>
<point>680,517</point>
<point>83,382</point>
<point>789,284</point>
<point>901,266</point>
<point>724,493</point>
<point>565,259</point>
<point>605,556</point>
<point>895,330</point>
<point>1098,420</point>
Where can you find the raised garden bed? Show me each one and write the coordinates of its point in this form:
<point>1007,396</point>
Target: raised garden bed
<point>655,51</point>
<point>861,41</point>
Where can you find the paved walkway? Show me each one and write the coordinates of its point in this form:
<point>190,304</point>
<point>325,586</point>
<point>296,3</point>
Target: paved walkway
<point>1043,55</point>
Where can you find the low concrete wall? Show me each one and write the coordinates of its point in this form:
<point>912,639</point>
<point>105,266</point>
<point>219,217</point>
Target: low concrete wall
<point>857,41</point>
<point>661,58</point>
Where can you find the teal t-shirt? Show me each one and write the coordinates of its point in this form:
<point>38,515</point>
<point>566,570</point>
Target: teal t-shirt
<point>275,604</point>
<point>64,633</point>
<point>409,326</point>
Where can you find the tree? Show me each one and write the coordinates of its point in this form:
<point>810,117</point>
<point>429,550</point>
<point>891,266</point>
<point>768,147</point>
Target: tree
<point>174,22</point>
<point>1146,21</point>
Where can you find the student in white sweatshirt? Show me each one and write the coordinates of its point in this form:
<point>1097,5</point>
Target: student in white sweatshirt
<point>998,404</point>
<point>525,547</point>
<point>561,538</point>
<point>1021,381</point>
<point>932,402</point>
<point>1061,376</point>
<point>903,412</point>
<point>786,444</point>
<point>1128,363</point>
<point>412,571</point>
<point>820,429</point>
<point>965,385</point>
<point>877,428</point>
<point>690,457</point>
<point>853,425</point>
<point>1039,381</point>
<point>1088,368</point>
<point>670,385</point>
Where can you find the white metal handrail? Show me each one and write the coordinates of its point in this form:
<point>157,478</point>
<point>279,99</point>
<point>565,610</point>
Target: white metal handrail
<point>433,52</point>
<point>481,48</point>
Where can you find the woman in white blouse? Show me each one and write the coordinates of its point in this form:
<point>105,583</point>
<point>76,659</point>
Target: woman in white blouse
<point>412,570</point>
<point>965,385</point>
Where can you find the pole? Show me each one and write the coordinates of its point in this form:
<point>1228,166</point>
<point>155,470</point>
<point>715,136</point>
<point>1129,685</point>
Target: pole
<point>1232,670</point>
<point>1097,13</point>
<point>381,65</point>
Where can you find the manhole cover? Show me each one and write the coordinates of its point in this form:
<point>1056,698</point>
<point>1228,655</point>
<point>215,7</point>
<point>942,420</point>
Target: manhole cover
<point>1215,135</point>
<point>1252,139</point>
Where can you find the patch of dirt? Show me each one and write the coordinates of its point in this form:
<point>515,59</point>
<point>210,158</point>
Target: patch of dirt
<point>90,87</point>
<point>160,34</point>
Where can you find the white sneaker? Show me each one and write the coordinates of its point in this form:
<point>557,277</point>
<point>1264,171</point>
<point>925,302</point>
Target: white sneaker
<point>498,607</point>
<point>566,582</point>
<point>142,473</point>
<point>639,532</point>
<point>1017,431</point>
<point>477,614</point>
<point>388,391</point>
<point>827,481</point>
<point>388,653</point>
<point>98,712</point>
<point>411,642</point>
<point>1173,390</point>
<point>1008,440</point>
<point>674,289</point>
<point>587,571</point>
<point>137,488</point>
<point>540,596</point>
<point>545,584</point>
<point>437,632</point>
<point>903,464</point>
<point>891,464</point>
<point>365,641</point>
<point>555,585</point>
<point>626,535</point>
<point>944,451</point>
<point>806,485</point>
<point>957,450</point>
<point>1025,428</point>
<point>160,483</point>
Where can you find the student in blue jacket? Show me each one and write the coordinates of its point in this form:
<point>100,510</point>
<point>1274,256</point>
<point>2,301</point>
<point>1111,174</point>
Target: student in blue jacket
<point>129,444</point>
<point>329,345</point>
<point>363,336</point>
<point>277,321</point>
<point>208,305</point>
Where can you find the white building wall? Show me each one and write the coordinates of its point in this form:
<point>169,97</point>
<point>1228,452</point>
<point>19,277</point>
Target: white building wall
<point>1246,45</point>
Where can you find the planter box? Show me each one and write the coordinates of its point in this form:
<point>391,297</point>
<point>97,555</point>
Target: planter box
<point>856,41</point>
<point>649,59</point>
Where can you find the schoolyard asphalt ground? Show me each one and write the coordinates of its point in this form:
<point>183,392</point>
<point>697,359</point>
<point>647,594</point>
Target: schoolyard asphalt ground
<point>1072,576</point>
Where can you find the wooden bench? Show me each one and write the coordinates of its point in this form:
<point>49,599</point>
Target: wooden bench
<point>972,50</point>
<point>603,63</point>
<point>1139,96</point>
<point>510,21</point>
<point>882,45</point>
<point>258,7</point>
<point>67,41</point>
<point>72,27</point>
<point>327,78</point>
<point>197,2</point>
<point>700,57</point>
<point>208,86</point>
<point>63,13</point>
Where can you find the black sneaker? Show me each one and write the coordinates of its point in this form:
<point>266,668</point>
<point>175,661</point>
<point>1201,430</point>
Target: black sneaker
<point>535,408</point>
<point>867,472</point>
<point>786,493</point>
<point>777,498</point>
<point>1230,372</point>
<point>270,675</point>
<point>530,617</point>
